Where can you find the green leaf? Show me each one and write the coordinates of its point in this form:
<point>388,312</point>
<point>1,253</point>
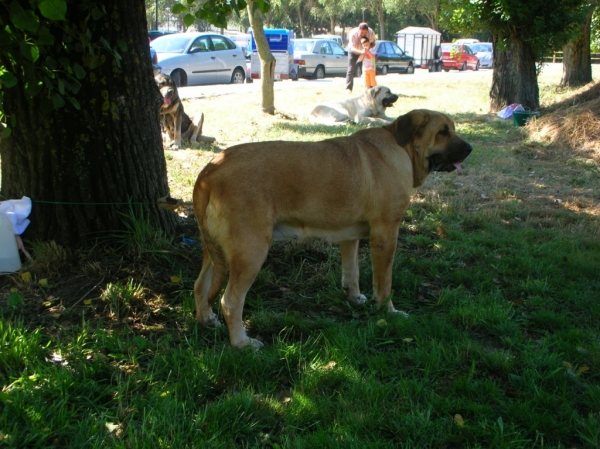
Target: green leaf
<point>33,88</point>
<point>7,79</point>
<point>44,37</point>
<point>7,132</point>
<point>178,8</point>
<point>53,9</point>
<point>189,20</point>
<point>58,101</point>
<point>23,19</point>
<point>74,102</point>
<point>79,72</point>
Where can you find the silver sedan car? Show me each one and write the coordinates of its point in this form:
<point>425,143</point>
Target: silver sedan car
<point>200,58</point>
<point>318,58</point>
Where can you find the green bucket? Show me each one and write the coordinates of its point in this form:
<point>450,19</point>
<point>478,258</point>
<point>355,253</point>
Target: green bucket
<point>521,118</point>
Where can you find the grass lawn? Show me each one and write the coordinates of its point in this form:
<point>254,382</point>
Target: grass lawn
<point>498,267</point>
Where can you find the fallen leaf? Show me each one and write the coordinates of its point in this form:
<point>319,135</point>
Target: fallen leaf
<point>26,277</point>
<point>87,302</point>
<point>175,279</point>
<point>583,369</point>
<point>43,282</point>
<point>459,420</point>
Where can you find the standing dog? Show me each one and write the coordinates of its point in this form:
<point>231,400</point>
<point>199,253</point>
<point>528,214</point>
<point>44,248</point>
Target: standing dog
<point>176,124</point>
<point>369,108</point>
<point>341,190</point>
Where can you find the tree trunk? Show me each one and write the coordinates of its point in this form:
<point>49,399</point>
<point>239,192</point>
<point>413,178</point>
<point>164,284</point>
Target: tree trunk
<point>381,20</point>
<point>82,167</point>
<point>577,59</point>
<point>515,77</point>
<point>267,61</point>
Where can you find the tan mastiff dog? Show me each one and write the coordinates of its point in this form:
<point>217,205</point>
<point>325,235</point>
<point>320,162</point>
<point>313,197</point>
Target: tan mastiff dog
<point>341,190</point>
<point>368,109</point>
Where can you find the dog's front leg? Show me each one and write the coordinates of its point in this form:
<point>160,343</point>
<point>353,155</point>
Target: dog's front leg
<point>349,251</point>
<point>383,240</point>
<point>177,130</point>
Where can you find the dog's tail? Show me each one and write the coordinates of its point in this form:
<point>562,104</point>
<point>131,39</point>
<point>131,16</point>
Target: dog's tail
<point>212,250</point>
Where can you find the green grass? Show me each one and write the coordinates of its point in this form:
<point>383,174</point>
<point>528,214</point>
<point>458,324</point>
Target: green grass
<point>501,350</point>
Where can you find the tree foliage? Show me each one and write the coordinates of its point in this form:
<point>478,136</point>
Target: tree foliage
<point>28,52</point>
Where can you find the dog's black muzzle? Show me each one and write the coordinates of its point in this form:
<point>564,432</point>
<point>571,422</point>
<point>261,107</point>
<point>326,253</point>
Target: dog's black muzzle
<point>389,100</point>
<point>450,159</point>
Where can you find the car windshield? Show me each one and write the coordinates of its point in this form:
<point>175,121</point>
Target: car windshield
<point>303,45</point>
<point>170,44</point>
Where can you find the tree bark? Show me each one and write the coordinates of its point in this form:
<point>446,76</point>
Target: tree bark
<point>515,76</point>
<point>267,60</point>
<point>577,59</point>
<point>82,167</point>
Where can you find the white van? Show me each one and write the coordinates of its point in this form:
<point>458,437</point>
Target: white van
<point>331,37</point>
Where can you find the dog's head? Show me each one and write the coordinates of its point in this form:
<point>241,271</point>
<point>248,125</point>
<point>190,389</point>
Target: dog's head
<point>431,141</point>
<point>168,89</point>
<point>383,96</point>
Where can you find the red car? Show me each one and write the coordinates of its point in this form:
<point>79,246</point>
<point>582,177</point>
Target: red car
<point>458,56</point>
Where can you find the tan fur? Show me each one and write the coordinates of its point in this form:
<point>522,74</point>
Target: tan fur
<point>341,190</point>
<point>368,109</point>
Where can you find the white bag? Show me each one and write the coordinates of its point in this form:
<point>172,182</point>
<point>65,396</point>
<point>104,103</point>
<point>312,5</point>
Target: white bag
<point>507,112</point>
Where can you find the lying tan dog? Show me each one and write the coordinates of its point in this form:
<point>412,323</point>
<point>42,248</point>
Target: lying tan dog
<point>367,109</point>
<point>177,126</point>
<point>341,190</point>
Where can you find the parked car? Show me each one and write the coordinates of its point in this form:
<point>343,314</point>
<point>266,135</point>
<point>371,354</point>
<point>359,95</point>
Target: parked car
<point>389,57</point>
<point>154,58</point>
<point>466,41</point>
<point>200,58</point>
<point>153,34</point>
<point>485,52</point>
<point>458,56</point>
<point>318,58</point>
<point>330,37</point>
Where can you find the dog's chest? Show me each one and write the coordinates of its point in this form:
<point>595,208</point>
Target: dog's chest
<point>290,231</point>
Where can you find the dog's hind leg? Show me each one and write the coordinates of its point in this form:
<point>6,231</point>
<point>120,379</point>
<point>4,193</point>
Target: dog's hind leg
<point>349,251</point>
<point>207,287</point>
<point>246,259</point>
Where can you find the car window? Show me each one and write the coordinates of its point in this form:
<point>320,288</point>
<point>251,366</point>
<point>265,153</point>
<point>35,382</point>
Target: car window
<point>168,44</point>
<point>222,43</point>
<point>337,50</point>
<point>303,45</point>
<point>202,43</point>
<point>325,49</point>
<point>397,50</point>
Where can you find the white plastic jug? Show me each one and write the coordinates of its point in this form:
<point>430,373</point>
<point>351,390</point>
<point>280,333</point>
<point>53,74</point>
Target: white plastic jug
<point>9,253</point>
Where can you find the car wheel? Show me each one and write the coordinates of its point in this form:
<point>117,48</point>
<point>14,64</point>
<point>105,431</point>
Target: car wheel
<point>238,76</point>
<point>437,52</point>
<point>179,78</point>
<point>319,73</point>
<point>411,69</point>
<point>446,70</point>
<point>358,72</point>
<point>477,66</point>
<point>463,67</point>
<point>384,70</point>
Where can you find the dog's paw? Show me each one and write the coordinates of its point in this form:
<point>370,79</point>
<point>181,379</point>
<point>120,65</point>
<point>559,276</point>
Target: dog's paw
<point>248,343</point>
<point>358,300</point>
<point>212,322</point>
<point>399,313</point>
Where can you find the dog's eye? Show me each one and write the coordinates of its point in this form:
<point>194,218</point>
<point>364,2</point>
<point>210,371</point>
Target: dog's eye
<point>445,131</point>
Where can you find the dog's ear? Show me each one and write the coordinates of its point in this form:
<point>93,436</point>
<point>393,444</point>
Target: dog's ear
<point>375,91</point>
<point>406,127</point>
